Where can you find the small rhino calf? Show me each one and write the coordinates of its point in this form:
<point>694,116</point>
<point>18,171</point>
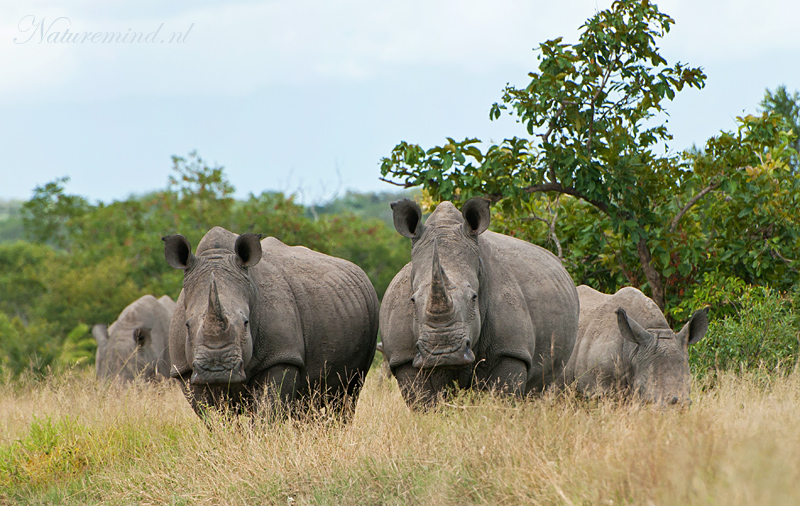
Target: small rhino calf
<point>136,344</point>
<point>625,345</point>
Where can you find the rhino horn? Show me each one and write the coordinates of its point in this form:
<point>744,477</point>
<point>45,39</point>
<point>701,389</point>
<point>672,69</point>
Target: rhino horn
<point>215,312</point>
<point>440,302</point>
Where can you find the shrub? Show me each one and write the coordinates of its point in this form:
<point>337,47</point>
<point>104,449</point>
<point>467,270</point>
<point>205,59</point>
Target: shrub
<point>26,346</point>
<point>79,347</point>
<point>759,330</point>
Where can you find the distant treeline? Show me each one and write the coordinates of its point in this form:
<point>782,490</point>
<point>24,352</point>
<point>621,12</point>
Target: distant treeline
<point>66,264</point>
<point>11,228</point>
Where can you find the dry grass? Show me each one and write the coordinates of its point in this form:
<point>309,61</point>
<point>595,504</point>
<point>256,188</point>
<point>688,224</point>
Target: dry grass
<point>70,441</point>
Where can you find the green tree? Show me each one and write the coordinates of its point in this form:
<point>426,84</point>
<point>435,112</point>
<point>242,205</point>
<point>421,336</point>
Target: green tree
<point>26,346</point>
<point>88,261</point>
<point>204,194</point>
<point>27,341</point>
<point>50,214</point>
<point>363,205</point>
<point>748,227</point>
<point>787,106</point>
<point>24,269</point>
<point>593,109</point>
<point>11,228</point>
<point>594,113</point>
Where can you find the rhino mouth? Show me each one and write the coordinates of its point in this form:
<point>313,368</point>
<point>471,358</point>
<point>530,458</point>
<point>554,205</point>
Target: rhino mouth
<point>217,370</point>
<point>430,355</point>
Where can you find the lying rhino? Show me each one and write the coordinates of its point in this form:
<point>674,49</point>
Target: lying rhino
<point>474,309</point>
<point>135,346</point>
<point>625,345</point>
<point>263,318</point>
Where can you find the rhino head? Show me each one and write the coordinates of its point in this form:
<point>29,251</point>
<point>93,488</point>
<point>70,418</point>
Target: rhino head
<point>125,352</point>
<point>218,294</point>
<point>135,345</point>
<point>446,274</point>
<point>660,358</point>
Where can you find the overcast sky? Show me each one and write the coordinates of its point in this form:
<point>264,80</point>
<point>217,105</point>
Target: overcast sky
<point>306,96</point>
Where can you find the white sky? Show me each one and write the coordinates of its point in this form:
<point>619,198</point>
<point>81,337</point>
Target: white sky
<point>307,95</point>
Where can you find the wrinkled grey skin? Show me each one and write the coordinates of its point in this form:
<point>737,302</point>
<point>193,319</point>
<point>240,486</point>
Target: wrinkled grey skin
<point>259,318</point>
<point>136,344</point>
<point>474,309</point>
<point>625,345</point>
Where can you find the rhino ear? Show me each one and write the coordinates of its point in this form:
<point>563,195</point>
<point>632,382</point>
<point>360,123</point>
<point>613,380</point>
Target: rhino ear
<point>248,249</point>
<point>476,216</point>
<point>695,329</point>
<point>631,330</point>
<point>100,333</point>
<point>407,217</point>
<point>141,336</point>
<point>178,251</point>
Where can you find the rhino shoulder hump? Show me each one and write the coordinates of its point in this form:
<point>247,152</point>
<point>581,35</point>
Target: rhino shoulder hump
<point>167,303</point>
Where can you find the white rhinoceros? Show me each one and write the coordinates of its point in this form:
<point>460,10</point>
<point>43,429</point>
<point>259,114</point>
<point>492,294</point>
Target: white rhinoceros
<point>473,308</point>
<point>625,345</point>
<point>260,320</point>
<point>136,344</point>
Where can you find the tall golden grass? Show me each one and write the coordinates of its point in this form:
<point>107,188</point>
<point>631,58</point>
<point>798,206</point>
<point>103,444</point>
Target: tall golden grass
<point>67,440</point>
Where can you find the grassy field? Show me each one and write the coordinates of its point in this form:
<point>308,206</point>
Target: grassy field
<point>67,440</point>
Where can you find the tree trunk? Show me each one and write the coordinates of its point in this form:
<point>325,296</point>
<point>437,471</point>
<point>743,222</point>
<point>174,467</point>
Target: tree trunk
<point>653,277</point>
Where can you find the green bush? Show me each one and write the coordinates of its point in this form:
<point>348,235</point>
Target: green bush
<point>759,330</point>
<point>26,346</point>
<point>79,347</point>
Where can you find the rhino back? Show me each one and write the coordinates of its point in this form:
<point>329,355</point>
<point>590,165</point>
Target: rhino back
<point>144,312</point>
<point>594,315</point>
<point>147,312</point>
<point>333,315</point>
<point>177,339</point>
<point>397,315</point>
<point>164,317</point>
<point>601,355</point>
<point>533,306</point>
<point>640,307</point>
<point>598,341</point>
<point>167,303</point>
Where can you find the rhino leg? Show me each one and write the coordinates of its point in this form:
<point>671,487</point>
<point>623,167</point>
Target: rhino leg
<point>423,388</point>
<point>345,405</point>
<point>336,395</point>
<point>276,389</point>
<point>225,399</point>
<point>508,376</point>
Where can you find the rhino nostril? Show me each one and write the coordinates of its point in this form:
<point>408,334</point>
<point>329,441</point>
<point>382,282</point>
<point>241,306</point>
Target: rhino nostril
<point>467,343</point>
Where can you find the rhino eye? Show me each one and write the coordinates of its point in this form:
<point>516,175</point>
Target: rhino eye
<point>413,300</point>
